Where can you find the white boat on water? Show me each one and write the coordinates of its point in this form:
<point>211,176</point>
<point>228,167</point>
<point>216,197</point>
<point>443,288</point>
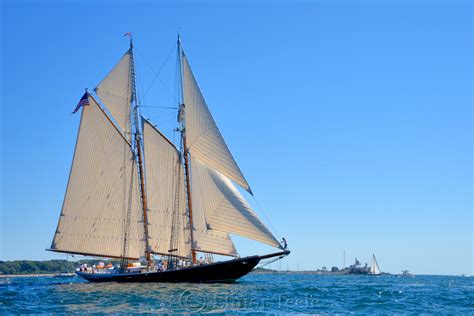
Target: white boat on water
<point>374,267</point>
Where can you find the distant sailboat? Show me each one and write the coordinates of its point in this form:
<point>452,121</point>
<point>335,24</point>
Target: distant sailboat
<point>134,194</point>
<point>374,267</point>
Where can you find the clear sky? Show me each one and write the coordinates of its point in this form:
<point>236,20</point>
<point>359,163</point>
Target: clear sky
<point>352,120</point>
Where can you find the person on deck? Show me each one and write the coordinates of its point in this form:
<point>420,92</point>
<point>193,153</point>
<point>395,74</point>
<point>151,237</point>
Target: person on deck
<point>284,243</point>
<point>159,266</point>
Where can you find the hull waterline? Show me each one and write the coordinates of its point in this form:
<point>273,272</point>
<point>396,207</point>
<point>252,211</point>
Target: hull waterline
<point>227,271</point>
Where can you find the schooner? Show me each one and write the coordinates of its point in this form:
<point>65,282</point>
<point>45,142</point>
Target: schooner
<point>132,194</point>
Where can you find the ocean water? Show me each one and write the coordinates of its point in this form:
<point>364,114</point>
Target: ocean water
<point>255,293</point>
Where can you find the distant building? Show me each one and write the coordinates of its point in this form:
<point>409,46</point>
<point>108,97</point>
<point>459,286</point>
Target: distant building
<point>357,268</point>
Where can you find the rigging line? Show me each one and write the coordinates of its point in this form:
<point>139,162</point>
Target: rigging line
<point>263,263</point>
<point>162,121</point>
<point>157,73</point>
<point>159,107</point>
<point>166,87</point>
<point>140,84</point>
<point>267,219</point>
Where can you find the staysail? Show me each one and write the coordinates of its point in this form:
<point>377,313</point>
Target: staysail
<point>115,92</point>
<point>219,207</point>
<point>213,241</point>
<point>204,139</point>
<point>167,225</point>
<point>102,199</point>
<point>374,267</point>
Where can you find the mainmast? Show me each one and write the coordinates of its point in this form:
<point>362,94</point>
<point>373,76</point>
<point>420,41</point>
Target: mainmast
<point>139,153</point>
<point>186,154</point>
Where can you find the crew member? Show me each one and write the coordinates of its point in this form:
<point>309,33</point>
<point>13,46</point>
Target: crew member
<point>284,243</point>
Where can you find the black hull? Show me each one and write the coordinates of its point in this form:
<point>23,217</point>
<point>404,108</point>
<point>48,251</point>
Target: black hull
<point>225,271</point>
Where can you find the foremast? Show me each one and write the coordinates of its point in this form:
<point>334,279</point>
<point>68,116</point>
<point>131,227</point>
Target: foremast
<point>138,150</point>
<point>185,153</point>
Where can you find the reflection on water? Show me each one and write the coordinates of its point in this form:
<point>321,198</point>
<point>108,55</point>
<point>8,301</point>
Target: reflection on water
<point>277,293</point>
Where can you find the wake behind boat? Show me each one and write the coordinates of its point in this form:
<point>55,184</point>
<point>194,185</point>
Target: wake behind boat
<point>133,194</point>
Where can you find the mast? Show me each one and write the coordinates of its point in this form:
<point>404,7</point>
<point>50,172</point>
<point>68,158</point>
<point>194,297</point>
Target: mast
<point>188,191</point>
<point>139,153</point>
<point>186,156</point>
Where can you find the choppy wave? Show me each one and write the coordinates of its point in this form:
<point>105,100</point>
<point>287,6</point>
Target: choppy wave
<point>256,293</point>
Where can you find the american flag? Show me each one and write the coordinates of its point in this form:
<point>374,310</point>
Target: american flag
<point>83,102</point>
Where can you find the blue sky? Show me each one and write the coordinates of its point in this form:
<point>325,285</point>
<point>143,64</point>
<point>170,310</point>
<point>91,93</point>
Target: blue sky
<point>352,120</point>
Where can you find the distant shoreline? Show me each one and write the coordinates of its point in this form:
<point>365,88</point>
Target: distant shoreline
<point>35,275</point>
<point>57,268</point>
<point>44,268</point>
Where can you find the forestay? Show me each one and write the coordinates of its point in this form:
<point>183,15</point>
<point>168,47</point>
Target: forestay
<point>219,206</point>
<point>100,193</point>
<point>204,139</point>
<point>168,228</point>
<point>115,92</point>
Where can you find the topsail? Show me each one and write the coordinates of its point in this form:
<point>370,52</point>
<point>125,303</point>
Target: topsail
<point>115,92</point>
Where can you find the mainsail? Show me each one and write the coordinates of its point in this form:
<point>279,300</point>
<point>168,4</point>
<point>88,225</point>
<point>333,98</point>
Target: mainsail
<point>168,228</point>
<point>102,198</point>
<point>204,139</point>
<point>374,267</point>
<point>115,92</point>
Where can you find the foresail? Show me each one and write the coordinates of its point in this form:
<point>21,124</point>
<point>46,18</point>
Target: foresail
<point>101,192</point>
<point>204,139</point>
<point>219,206</point>
<point>115,92</point>
<point>168,229</point>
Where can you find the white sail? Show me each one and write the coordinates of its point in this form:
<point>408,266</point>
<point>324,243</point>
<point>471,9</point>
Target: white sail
<point>374,267</point>
<point>100,193</point>
<point>115,92</point>
<point>219,206</point>
<point>168,222</point>
<point>204,139</point>
<point>214,241</point>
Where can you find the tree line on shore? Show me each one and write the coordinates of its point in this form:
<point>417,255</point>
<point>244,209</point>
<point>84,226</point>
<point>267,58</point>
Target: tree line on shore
<point>45,267</point>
